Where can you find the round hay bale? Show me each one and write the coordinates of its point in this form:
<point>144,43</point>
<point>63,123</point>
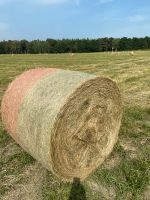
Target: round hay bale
<point>69,121</point>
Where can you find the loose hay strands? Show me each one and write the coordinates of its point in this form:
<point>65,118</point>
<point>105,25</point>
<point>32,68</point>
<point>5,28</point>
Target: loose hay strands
<point>69,121</point>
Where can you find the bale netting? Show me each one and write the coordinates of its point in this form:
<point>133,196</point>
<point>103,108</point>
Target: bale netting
<point>69,121</point>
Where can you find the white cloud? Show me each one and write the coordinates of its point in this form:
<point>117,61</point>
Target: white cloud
<point>52,2</point>
<point>138,18</point>
<point>57,2</point>
<point>44,2</point>
<point>104,1</point>
<point>134,19</point>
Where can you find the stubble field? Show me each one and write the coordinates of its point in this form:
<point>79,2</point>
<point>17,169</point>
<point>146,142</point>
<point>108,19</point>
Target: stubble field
<point>125,174</point>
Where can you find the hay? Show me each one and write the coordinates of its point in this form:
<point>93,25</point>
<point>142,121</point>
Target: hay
<point>15,94</point>
<point>69,121</point>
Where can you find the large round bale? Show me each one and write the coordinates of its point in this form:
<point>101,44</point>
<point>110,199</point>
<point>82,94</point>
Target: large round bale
<point>69,121</point>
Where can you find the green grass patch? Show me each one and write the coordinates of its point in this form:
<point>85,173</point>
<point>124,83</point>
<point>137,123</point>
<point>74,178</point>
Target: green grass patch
<point>54,189</point>
<point>4,189</point>
<point>131,176</point>
<point>132,79</point>
<point>134,122</point>
<point>16,163</point>
<point>4,137</point>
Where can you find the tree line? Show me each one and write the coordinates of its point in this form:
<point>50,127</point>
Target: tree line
<point>74,45</point>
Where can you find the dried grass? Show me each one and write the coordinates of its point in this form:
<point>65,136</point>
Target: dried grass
<point>69,121</point>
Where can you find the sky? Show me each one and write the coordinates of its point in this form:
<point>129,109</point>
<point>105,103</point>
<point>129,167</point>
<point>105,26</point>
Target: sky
<point>57,19</point>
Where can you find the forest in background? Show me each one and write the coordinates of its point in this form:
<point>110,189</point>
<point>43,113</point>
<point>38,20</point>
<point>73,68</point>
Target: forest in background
<point>74,45</point>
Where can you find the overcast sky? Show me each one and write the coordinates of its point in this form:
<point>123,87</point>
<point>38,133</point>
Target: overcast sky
<point>41,19</point>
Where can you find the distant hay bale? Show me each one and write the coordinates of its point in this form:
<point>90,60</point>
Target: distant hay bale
<point>131,53</point>
<point>68,121</point>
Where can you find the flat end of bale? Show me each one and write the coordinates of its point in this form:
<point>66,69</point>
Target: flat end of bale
<point>86,129</point>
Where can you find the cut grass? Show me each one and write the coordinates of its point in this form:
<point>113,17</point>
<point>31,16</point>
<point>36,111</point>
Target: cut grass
<point>4,137</point>
<point>16,163</point>
<point>54,189</point>
<point>135,122</point>
<point>128,176</point>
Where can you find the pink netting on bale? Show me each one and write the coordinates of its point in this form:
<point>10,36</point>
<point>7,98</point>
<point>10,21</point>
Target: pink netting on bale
<point>15,94</point>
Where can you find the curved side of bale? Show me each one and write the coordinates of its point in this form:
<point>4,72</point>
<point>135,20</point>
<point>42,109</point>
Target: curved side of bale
<point>15,94</point>
<point>74,119</point>
<point>39,111</point>
<point>69,121</point>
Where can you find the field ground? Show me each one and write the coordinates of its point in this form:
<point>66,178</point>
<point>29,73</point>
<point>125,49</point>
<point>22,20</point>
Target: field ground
<point>125,174</point>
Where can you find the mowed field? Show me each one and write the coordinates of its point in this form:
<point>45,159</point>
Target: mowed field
<point>125,173</point>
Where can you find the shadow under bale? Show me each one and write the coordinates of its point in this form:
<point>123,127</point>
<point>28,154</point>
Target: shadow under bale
<point>77,191</point>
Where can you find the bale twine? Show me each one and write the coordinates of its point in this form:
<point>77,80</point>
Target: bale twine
<point>68,121</point>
